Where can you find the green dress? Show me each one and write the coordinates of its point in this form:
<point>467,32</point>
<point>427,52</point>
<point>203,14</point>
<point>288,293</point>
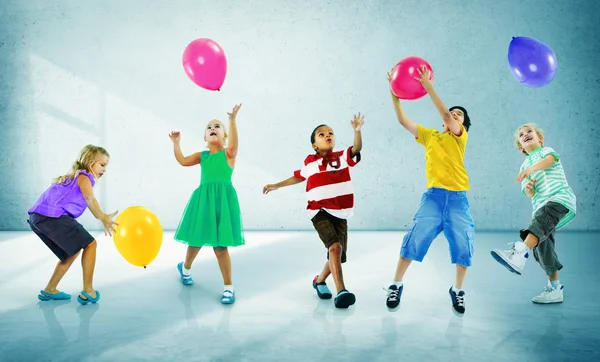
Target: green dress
<point>212,216</point>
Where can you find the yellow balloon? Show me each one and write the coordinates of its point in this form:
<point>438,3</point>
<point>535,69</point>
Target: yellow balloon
<point>138,236</point>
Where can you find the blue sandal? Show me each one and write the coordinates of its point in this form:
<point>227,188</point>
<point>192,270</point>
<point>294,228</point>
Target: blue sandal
<point>45,296</point>
<point>88,298</point>
<point>228,297</point>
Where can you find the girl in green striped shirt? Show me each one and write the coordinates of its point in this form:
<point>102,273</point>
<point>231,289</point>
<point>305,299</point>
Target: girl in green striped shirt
<point>542,179</point>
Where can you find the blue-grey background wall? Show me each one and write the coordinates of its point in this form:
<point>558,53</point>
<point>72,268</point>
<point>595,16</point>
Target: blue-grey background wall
<point>110,73</point>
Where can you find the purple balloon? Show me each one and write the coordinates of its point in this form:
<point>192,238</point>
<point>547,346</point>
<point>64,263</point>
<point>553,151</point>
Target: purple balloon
<point>532,62</point>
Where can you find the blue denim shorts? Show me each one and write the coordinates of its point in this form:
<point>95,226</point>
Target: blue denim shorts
<point>447,211</point>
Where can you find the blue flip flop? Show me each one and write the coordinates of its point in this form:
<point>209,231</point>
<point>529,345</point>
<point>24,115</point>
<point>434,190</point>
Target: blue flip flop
<point>89,298</point>
<point>45,296</point>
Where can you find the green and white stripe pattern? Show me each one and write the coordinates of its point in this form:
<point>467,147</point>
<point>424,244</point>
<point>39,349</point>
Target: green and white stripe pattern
<point>551,184</point>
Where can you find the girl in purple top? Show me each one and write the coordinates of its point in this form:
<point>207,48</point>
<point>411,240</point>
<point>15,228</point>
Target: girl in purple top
<point>53,219</point>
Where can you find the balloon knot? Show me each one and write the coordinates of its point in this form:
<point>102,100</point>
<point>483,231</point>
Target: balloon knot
<point>218,90</point>
<point>144,267</point>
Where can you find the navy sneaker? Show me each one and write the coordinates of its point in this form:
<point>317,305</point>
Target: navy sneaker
<point>458,302</point>
<point>393,297</point>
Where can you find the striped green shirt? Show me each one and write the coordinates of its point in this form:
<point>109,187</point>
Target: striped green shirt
<point>551,184</point>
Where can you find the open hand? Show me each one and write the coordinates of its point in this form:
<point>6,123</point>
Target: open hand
<point>109,224</point>
<point>234,112</point>
<point>357,122</point>
<point>424,76</point>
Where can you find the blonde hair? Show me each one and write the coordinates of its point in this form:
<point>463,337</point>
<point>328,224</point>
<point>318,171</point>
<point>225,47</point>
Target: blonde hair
<point>222,125</point>
<point>538,130</point>
<point>87,157</point>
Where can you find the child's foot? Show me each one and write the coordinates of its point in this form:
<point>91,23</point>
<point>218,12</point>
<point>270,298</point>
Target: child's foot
<point>322,290</point>
<point>228,297</point>
<point>344,299</point>
<point>88,297</point>
<point>513,259</point>
<point>185,278</point>
<point>53,295</point>
<point>550,295</point>
<point>393,297</point>
<point>458,302</point>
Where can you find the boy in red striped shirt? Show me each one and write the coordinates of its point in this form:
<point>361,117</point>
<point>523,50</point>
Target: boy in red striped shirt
<point>330,202</point>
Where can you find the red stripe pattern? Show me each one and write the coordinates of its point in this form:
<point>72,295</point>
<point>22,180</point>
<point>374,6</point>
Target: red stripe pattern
<point>329,185</point>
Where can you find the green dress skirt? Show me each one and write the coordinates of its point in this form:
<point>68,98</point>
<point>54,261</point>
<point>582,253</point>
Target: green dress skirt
<point>212,216</point>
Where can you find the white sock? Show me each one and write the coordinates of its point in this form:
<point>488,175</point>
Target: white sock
<point>521,246</point>
<point>228,287</point>
<point>456,290</point>
<point>554,283</point>
<point>397,284</point>
<point>186,271</point>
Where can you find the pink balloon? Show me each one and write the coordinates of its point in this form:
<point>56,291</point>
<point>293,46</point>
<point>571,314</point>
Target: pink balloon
<point>403,82</point>
<point>205,63</point>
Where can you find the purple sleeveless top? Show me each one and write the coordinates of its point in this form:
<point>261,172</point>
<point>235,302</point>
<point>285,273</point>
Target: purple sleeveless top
<point>63,199</point>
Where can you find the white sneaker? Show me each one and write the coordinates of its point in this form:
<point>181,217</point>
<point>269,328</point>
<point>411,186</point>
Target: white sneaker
<point>550,295</point>
<point>513,259</point>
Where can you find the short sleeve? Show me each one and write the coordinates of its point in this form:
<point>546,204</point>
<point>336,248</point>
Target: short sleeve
<point>464,136</point>
<point>88,174</point>
<point>424,134</point>
<point>352,162</point>
<point>298,174</point>
<point>550,151</point>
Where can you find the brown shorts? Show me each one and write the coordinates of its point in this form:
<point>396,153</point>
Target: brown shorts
<point>331,230</point>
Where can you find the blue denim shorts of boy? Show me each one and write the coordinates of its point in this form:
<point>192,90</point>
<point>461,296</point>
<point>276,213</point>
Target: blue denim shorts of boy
<point>447,211</point>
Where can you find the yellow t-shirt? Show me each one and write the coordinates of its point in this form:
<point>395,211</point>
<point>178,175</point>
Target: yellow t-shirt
<point>444,158</point>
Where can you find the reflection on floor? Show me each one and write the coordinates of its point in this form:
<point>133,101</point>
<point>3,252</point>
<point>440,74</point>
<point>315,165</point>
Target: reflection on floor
<point>148,315</point>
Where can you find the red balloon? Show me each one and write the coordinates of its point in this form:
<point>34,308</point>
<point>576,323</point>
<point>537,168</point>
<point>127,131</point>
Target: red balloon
<point>403,82</point>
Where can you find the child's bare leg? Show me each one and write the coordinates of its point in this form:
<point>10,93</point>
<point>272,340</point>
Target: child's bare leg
<point>335,265</point>
<point>325,273</point>
<point>59,272</point>
<point>553,276</point>
<point>224,260</point>
<point>192,252</point>
<point>461,272</point>
<point>401,267</point>
<point>531,241</point>
<point>88,264</point>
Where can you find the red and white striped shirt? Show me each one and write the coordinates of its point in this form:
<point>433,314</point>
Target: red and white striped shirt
<point>328,185</point>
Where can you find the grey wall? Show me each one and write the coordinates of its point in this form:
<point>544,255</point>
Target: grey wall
<point>110,73</point>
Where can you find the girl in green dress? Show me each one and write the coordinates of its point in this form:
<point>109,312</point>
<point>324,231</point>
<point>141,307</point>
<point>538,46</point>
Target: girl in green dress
<point>212,216</point>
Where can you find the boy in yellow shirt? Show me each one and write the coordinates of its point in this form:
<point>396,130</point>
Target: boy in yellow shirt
<point>444,206</point>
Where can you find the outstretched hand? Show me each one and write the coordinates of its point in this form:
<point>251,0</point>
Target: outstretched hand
<point>234,112</point>
<point>424,76</point>
<point>357,122</point>
<point>269,188</point>
<point>109,224</point>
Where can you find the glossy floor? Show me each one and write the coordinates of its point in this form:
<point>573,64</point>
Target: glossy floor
<point>148,315</point>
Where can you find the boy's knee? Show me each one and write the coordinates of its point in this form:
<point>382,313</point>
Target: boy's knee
<point>91,245</point>
<point>335,248</point>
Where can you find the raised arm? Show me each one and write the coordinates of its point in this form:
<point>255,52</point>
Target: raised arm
<point>357,123</point>
<point>449,121</point>
<point>407,123</point>
<point>232,139</point>
<point>186,161</point>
